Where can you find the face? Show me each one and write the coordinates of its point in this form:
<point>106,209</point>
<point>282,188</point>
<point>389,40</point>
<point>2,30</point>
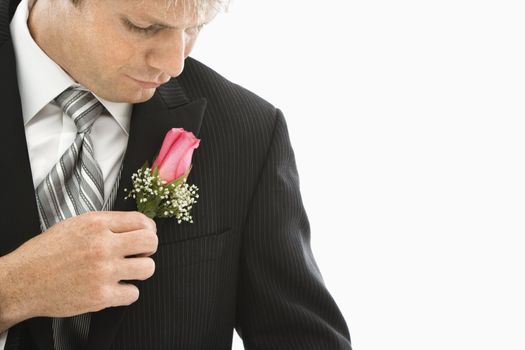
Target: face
<point>119,49</point>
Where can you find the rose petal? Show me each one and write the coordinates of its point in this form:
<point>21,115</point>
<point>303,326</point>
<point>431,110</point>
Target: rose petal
<point>185,161</point>
<point>178,159</point>
<point>171,137</point>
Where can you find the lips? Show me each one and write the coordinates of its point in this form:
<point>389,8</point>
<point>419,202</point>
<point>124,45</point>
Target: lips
<point>147,84</point>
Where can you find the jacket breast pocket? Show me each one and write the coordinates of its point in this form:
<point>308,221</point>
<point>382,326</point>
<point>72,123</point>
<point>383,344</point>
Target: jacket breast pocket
<point>192,250</point>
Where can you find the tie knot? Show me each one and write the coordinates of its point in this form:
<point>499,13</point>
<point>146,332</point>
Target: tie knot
<point>81,106</point>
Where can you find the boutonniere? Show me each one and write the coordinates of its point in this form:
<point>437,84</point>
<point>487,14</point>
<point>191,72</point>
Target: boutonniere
<point>161,191</point>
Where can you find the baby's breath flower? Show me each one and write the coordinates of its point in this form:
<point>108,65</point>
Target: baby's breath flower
<point>156,198</point>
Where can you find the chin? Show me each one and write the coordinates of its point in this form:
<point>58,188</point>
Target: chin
<point>142,96</point>
<point>133,96</point>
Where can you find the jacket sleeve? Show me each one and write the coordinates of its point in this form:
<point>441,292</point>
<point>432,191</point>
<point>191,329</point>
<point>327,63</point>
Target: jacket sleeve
<point>283,302</point>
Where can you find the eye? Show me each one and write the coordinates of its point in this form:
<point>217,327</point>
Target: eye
<point>137,29</point>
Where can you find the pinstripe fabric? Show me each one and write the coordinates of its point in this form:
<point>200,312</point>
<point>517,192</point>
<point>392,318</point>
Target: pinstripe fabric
<point>70,332</point>
<point>7,8</point>
<point>13,337</point>
<point>245,264</point>
<point>110,201</point>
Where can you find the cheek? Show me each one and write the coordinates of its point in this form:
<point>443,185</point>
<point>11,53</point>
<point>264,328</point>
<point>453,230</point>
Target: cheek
<point>110,49</point>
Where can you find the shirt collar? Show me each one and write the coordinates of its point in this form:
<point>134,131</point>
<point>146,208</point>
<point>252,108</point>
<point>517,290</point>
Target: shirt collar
<point>40,79</point>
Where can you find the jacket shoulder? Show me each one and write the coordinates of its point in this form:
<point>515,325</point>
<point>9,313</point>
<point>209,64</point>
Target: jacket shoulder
<point>224,96</point>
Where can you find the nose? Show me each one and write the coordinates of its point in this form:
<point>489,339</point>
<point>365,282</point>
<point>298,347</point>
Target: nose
<point>168,56</point>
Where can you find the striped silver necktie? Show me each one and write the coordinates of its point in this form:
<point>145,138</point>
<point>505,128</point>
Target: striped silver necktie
<point>75,185</point>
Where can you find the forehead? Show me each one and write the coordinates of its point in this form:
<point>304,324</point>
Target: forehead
<point>171,12</point>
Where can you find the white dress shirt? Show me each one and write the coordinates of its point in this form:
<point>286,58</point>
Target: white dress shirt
<point>49,132</point>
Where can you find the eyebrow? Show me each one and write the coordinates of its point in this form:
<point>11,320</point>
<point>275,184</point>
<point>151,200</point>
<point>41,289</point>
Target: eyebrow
<point>161,25</point>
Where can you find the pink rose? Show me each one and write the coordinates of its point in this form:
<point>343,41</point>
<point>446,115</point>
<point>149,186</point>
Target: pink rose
<point>174,157</point>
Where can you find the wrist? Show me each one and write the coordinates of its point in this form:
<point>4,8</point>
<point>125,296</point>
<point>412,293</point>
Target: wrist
<point>11,305</point>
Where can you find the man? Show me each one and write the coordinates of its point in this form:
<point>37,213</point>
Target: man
<point>111,278</point>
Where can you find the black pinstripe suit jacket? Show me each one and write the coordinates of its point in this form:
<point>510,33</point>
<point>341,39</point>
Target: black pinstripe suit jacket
<point>245,263</point>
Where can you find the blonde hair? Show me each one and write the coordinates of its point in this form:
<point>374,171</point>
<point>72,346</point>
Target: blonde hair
<point>198,7</point>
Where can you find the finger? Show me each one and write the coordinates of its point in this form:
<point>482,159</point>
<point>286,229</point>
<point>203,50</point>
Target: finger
<point>144,241</point>
<point>125,221</point>
<point>124,294</point>
<point>135,269</point>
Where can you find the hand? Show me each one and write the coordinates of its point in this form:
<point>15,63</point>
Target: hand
<point>75,266</point>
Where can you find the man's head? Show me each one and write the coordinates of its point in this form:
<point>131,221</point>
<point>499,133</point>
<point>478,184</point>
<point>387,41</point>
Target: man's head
<point>110,46</point>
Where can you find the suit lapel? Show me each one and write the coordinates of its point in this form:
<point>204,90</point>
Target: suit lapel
<point>168,108</point>
<point>18,211</point>
<point>149,124</point>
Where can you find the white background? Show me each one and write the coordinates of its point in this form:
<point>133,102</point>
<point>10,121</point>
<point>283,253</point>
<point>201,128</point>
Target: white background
<point>407,120</point>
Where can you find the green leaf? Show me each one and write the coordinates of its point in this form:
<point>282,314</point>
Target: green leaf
<point>156,171</point>
<point>144,166</point>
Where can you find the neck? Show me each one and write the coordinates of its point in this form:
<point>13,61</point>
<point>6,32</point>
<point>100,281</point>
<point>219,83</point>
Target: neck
<point>42,26</point>
<point>34,25</point>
